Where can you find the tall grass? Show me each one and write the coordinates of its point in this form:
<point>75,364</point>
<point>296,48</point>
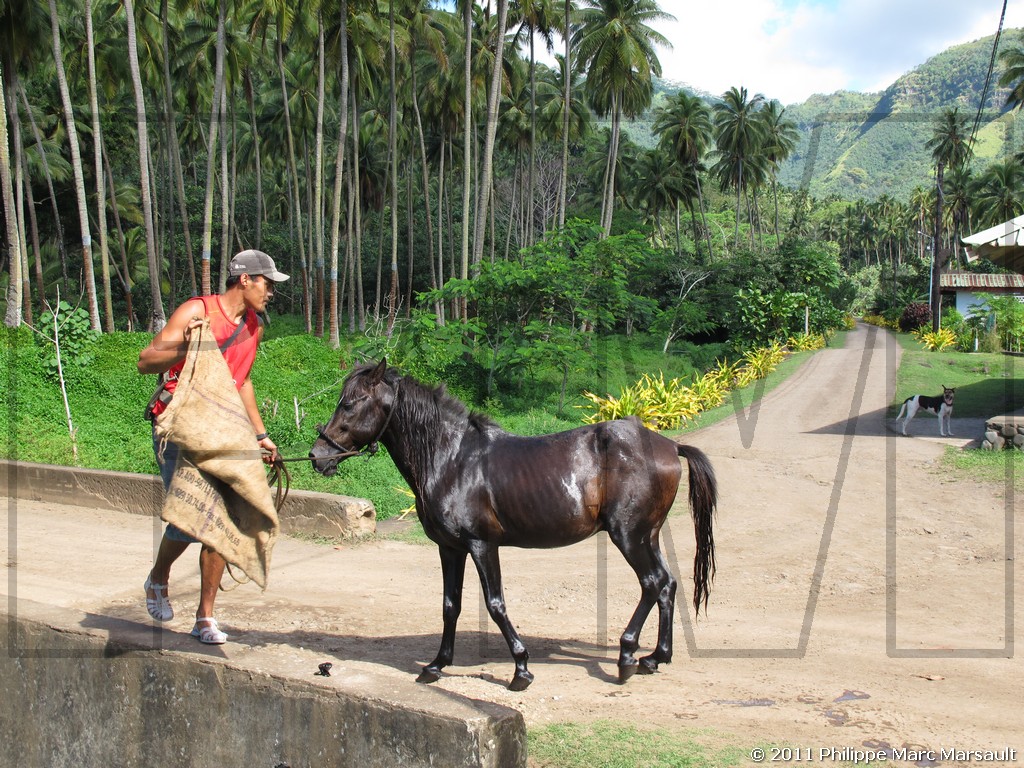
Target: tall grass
<point>297,379</point>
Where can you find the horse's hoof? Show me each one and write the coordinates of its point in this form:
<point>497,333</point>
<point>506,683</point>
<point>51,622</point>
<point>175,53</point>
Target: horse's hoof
<point>648,666</point>
<point>521,682</point>
<point>429,675</point>
<point>627,671</point>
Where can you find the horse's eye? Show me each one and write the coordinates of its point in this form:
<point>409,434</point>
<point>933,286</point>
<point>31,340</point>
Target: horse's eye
<point>348,405</point>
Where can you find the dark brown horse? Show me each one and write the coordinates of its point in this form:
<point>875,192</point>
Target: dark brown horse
<point>478,487</point>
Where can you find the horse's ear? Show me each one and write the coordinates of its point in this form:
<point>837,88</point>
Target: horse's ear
<point>378,372</point>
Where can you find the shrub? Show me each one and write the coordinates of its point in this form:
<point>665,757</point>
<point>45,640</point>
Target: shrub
<point>936,341</point>
<point>915,316</point>
<point>805,341</point>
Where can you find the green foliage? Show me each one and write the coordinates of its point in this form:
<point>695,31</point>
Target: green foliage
<point>70,327</point>
<point>915,316</point>
<point>1009,318</point>
<point>663,406</point>
<point>935,341</point>
<point>805,341</point>
<point>541,310</point>
<point>657,403</point>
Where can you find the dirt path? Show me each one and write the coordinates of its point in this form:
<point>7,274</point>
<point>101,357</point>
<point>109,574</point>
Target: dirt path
<point>863,599</point>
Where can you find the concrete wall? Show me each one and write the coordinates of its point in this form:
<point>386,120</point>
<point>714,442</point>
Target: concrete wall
<point>323,514</point>
<point>88,689</point>
<point>72,699</point>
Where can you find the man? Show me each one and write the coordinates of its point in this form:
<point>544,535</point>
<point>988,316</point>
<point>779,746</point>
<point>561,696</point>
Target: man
<point>252,276</point>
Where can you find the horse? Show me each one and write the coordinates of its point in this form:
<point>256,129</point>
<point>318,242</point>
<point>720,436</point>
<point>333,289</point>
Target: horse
<point>478,487</point>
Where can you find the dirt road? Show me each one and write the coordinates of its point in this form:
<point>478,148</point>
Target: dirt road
<point>863,598</point>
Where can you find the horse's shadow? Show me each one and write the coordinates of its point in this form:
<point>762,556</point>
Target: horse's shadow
<point>405,653</point>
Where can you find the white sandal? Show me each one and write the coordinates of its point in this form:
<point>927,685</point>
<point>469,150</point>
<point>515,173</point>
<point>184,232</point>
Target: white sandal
<point>209,633</point>
<point>159,607</point>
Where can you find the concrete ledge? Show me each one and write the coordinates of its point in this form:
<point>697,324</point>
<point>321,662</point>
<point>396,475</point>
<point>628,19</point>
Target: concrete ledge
<point>321,514</point>
<point>75,697</point>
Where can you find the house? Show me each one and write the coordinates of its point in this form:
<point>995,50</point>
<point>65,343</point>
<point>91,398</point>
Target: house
<point>1002,244</point>
<point>966,285</point>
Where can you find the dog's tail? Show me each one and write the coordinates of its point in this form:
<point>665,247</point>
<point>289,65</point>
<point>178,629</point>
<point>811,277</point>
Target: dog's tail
<point>903,408</point>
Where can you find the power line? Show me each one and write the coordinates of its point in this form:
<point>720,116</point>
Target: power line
<point>988,82</point>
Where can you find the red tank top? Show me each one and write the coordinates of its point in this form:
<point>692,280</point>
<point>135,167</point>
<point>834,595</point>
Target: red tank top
<point>240,355</point>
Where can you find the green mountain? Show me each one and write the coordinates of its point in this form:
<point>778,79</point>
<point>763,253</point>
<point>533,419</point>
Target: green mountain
<point>867,145</point>
<point>864,145</point>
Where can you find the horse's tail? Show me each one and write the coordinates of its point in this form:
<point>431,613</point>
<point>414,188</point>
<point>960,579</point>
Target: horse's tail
<point>703,499</point>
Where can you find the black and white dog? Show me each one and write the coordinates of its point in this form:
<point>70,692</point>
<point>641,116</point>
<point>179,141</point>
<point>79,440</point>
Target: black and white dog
<point>940,406</point>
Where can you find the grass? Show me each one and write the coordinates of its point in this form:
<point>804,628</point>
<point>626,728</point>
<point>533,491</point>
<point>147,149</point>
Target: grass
<point>605,744</point>
<point>986,384</point>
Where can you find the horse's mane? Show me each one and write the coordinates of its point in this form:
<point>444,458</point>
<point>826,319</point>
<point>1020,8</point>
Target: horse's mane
<point>429,402</point>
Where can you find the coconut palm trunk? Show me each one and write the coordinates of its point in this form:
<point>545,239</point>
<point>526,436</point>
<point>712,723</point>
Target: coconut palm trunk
<point>487,175</point>
<point>563,189</point>
<point>101,196</point>
<point>339,167</point>
<point>175,149</point>
<point>12,318</point>
<point>467,148</point>
<point>206,281</point>
<point>89,278</point>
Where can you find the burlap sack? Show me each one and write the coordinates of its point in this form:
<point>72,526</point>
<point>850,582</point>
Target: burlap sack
<point>219,493</point>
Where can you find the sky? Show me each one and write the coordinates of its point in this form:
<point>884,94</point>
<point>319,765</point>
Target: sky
<point>791,49</point>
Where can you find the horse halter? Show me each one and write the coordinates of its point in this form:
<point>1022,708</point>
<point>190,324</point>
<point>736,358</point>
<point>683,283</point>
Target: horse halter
<point>370,449</point>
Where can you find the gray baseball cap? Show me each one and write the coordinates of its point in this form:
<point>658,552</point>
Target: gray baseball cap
<point>253,262</point>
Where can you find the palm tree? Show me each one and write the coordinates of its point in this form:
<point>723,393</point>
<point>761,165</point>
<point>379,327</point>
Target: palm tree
<point>467,143</point>
<point>490,130</point>
<point>393,181</point>
<point>158,318</point>
<point>13,316</point>
<point>567,70</point>
<point>537,19</point>
<point>738,138</point>
<point>616,45</point>
<point>685,130</point>
<point>950,148</point>
<point>999,194</point>
<point>101,195</point>
<point>426,33</point>
<point>77,170</point>
<point>206,281</point>
<point>339,166</point>
<point>1012,58</point>
<point>175,144</point>
<point>779,137</point>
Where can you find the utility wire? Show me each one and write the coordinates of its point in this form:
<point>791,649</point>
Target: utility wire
<point>988,82</point>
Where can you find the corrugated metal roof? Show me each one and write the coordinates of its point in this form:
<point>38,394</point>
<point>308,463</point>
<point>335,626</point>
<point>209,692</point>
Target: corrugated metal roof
<point>980,282</point>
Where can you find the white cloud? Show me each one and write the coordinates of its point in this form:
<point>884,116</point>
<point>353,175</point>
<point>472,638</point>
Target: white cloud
<point>790,49</point>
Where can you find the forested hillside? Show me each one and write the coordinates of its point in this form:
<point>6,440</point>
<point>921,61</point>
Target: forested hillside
<point>866,145</point>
